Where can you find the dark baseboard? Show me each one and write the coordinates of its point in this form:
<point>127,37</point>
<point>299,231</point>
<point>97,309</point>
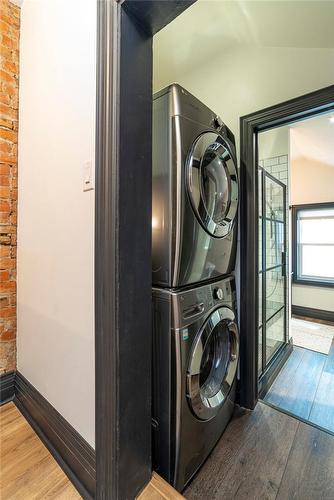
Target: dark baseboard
<point>75,456</point>
<point>7,386</point>
<point>309,312</point>
<point>269,376</point>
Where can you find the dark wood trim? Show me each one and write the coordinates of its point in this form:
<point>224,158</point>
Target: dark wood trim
<point>294,213</point>
<point>317,102</point>
<point>75,456</point>
<point>7,386</point>
<point>310,312</point>
<point>123,241</point>
<point>273,369</point>
<point>153,15</point>
<point>123,254</point>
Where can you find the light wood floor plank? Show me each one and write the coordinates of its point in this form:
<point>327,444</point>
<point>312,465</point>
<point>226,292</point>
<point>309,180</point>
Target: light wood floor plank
<point>159,489</point>
<point>28,470</point>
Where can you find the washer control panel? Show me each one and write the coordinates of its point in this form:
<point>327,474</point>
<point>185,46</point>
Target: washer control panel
<point>190,305</point>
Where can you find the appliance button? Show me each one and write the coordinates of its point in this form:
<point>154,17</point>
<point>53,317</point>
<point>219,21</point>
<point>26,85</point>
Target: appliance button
<point>218,293</point>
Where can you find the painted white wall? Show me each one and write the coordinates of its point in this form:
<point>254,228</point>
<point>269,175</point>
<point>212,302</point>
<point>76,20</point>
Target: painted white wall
<point>56,218</point>
<point>274,142</point>
<point>243,79</point>
<point>311,182</point>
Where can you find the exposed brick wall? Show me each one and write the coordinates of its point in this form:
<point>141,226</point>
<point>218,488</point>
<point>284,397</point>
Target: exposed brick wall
<point>9,70</point>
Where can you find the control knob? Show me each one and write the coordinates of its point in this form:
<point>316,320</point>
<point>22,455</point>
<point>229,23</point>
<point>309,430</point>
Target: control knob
<point>218,293</point>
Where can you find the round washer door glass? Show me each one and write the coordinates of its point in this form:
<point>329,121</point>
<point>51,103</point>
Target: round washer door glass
<point>213,364</point>
<point>213,184</point>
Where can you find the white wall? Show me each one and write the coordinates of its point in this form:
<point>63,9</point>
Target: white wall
<point>56,218</point>
<point>311,182</point>
<point>242,79</point>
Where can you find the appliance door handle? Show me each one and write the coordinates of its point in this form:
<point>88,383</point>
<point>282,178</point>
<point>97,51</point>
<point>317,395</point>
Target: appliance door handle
<point>233,329</point>
<point>193,311</point>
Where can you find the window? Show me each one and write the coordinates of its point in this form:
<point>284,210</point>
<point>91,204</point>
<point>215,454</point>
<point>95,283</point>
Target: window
<point>313,244</point>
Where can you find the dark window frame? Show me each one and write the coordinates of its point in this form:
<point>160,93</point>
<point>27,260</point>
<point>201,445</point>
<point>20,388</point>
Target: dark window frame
<point>296,280</point>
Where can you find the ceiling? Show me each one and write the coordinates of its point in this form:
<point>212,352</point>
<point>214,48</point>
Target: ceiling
<point>313,139</point>
<point>209,26</point>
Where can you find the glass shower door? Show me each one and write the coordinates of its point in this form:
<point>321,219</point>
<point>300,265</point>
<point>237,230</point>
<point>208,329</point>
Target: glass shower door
<point>272,268</point>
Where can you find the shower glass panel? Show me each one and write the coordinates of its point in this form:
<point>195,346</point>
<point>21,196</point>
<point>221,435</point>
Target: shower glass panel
<point>272,268</point>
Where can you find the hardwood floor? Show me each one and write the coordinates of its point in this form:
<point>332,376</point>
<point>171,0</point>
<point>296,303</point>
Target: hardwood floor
<point>159,489</point>
<point>266,454</point>
<point>305,387</point>
<point>28,470</point>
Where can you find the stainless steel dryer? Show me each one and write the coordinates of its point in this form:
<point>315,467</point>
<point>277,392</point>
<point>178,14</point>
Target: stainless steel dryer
<point>195,191</point>
<point>195,352</point>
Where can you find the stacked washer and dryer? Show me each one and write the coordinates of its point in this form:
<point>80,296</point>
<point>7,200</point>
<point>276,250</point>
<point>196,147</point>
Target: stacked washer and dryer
<point>194,236</point>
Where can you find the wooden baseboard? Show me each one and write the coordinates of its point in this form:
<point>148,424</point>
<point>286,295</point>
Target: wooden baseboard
<point>75,456</point>
<point>7,387</point>
<point>310,312</point>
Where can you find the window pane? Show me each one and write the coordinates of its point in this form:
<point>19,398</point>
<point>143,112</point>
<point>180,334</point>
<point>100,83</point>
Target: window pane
<point>317,261</point>
<point>320,212</point>
<point>274,291</point>
<point>274,243</point>
<point>316,230</point>
<point>275,334</point>
<point>274,201</point>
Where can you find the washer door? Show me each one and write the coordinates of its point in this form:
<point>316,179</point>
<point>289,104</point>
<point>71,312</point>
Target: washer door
<point>213,184</point>
<point>213,364</point>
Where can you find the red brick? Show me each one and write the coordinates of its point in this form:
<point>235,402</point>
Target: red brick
<point>8,112</point>
<point>8,335</point>
<point>7,285</point>
<point>6,123</point>
<point>5,206</point>
<point>7,312</point>
<point>8,135</point>
<point>4,192</point>
<point>4,169</point>
<point>6,264</point>
<point>5,251</point>
<point>4,276</point>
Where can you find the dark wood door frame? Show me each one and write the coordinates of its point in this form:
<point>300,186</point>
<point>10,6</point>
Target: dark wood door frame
<point>123,241</point>
<point>308,105</point>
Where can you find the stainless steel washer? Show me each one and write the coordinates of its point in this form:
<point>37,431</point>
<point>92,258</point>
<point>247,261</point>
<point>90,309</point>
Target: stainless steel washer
<point>196,352</point>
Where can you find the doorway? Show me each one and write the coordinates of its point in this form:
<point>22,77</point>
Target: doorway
<point>296,270</point>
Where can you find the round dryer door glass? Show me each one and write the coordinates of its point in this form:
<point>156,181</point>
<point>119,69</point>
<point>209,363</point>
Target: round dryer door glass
<point>213,184</point>
<point>213,364</point>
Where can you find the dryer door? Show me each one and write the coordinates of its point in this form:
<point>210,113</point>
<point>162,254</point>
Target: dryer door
<point>213,183</point>
<point>213,364</point>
